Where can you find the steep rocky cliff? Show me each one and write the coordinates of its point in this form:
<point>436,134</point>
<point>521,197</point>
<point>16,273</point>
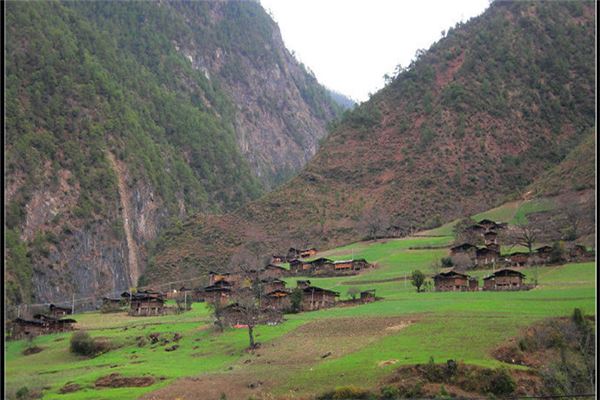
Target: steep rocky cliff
<point>468,125</point>
<point>126,117</point>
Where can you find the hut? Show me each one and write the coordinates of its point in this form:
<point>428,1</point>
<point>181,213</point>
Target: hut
<point>298,267</point>
<point>315,298</point>
<point>518,259</point>
<point>488,224</point>
<point>278,299</point>
<point>111,304</point>
<point>544,253</point>
<point>465,248</point>
<point>219,292</point>
<point>486,256</point>
<point>214,277</point>
<point>490,237</point>
<point>308,252</point>
<point>58,312</point>
<point>292,254</point>
<point>367,296</point>
<point>271,284</point>
<point>579,252</point>
<point>451,280</point>
<point>274,271</point>
<point>39,325</point>
<point>146,303</point>
<point>475,229</point>
<point>504,279</point>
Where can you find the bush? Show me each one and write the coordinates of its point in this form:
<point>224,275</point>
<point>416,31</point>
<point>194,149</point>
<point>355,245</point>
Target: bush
<point>347,392</point>
<point>501,383</point>
<point>83,344</point>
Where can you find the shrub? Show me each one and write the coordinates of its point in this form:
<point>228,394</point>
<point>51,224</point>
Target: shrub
<point>501,383</point>
<point>347,392</point>
<point>83,344</point>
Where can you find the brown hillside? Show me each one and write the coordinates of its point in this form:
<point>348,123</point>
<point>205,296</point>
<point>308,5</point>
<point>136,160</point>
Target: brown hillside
<point>471,122</point>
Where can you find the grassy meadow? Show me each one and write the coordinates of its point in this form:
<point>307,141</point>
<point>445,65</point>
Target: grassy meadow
<point>366,342</point>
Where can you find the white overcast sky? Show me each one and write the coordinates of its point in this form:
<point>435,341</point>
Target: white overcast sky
<point>351,44</point>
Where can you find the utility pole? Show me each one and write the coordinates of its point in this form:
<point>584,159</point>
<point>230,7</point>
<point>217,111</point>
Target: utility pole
<point>73,304</point>
<point>185,300</point>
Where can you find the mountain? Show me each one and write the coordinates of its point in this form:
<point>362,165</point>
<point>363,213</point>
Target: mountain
<point>342,100</point>
<point>125,117</point>
<point>497,102</point>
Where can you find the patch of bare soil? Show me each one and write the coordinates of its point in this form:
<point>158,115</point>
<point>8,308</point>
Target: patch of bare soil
<point>70,388</point>
<point>32,350</point>
<point>117,380</point>
<point>268,367</point>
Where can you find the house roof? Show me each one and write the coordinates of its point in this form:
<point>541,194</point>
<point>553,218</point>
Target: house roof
<point>505,272</point>
<point>315,289</point>
<point>464,246</point>
<point>52,307</point>
<point>486,250</point>
<point>321,260</point>
<point>449,272</point>
<point>278,293</point>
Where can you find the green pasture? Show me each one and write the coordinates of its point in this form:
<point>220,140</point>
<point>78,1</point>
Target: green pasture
<point>463,326</point>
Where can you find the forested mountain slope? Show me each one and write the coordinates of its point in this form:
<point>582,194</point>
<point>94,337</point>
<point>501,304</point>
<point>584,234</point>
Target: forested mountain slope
<point>470,123</point>
<point>124,116</point>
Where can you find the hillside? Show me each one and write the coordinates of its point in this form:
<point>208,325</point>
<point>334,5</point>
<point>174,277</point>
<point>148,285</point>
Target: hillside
<point>469,124</point>
<point>123,117</point>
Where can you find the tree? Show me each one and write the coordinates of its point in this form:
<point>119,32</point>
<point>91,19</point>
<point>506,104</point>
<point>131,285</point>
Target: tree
<point>296,300</point>
<point>246,297</point>
<point>526,236</point>
<point>216,308</point>
<point>417,279</point>
<point>373,223</point>
<point>353,292</point>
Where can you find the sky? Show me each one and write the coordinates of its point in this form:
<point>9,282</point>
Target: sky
<point>351,44</point>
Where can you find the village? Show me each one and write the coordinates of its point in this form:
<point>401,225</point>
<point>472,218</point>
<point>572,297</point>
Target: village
<point>228,293</point>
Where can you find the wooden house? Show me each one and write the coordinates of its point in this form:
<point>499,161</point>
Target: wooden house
<point>451,280</point>
<point>214,277</point>
<point>298,267</point>
<point>475,229</point>
<point>490,237</point>
<point>367,296</point>
<point>219,292</point>
<point>544,253</point>
<point>146,303</point>
<point>39,325</point>
<point>278,299</point>
<point>292,254</point>
<point>486,256</point>
<point>315,298</point>
<point>504,279</point>
<point>579,252</point>
<point>489,224</point>
<point>271,284</point>
<point>274,271</point>
<point>110,304</point>
<point>465,248</point>
<point>518,259</point>
<point>302,284</point>
<point>308,252</point>
<point>59,312</point>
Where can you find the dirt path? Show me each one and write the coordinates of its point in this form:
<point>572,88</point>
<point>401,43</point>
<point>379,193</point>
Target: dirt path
<point>134,269</point>
<point>256,375</point>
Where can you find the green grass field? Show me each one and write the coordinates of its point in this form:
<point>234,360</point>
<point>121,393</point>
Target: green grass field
<point>367,342</point>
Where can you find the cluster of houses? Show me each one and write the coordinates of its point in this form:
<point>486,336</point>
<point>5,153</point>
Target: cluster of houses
<point>326,267</point>
<point>52,321</point>
<point>489,255</point>
<point>449,280</point>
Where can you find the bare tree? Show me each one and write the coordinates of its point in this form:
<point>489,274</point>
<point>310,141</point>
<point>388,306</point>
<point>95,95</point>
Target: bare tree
<point>246,297</point>
<point>217,307</point>
<point>462,262</point>
<point>373,223</point>
<point>526,236</point>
